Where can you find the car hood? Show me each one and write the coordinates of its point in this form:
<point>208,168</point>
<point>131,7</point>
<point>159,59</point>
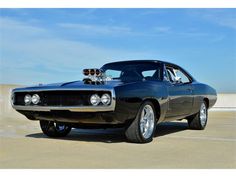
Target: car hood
<point>80,85</point>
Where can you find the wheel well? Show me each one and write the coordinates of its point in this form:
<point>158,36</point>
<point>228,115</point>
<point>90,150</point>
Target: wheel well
<point>157,107</point>
<point>207,101</point>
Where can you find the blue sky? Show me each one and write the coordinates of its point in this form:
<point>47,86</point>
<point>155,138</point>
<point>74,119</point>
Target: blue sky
<point>54,45</point>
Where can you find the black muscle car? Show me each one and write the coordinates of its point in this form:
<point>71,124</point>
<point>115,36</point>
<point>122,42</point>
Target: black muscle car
<point>136,95</point>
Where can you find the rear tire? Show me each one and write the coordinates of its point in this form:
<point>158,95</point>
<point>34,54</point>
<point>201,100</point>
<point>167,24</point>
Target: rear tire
<point>143,127</point>
<point>53,129</point>
<point>199,120</point>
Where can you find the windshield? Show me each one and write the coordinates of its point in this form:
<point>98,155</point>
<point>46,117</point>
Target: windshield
<point>132,72</point>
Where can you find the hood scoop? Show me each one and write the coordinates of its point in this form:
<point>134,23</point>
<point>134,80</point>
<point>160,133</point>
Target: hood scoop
<point>95,77</point>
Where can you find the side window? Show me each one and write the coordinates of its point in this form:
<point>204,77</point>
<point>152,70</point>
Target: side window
<point>170,75</point>
<point>165,75</point>
<point>176,76</point>
<point>180,74</point>
<point>154,74</point>
<point>149,73</point>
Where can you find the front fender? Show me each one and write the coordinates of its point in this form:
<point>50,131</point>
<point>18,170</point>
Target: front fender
<point>129,98</point>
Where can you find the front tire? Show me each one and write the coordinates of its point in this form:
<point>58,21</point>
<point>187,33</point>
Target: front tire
<point>199,120</point>
<point>143,127</point>
<point>53,129</point>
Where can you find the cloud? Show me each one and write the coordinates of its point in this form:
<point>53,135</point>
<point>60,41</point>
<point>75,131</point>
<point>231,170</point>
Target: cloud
<point>111,31</point>
<point>97,29</point>
<point>14,27</point>
<point>187,33</point>
<point>222,17</point>
<point>229,22</point>
<point>27,50</point>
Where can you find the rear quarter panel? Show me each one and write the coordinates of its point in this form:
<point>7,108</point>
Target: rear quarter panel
<point>203,91</point>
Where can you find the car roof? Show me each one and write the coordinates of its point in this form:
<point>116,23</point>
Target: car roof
<point>141,61</point>
<point>127,62</point>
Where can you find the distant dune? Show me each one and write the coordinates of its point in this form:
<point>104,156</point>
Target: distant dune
<point>5,104</point>
<point>226,100</point>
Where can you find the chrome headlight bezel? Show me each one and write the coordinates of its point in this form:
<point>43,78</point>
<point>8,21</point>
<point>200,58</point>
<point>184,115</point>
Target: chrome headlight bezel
<point>95,99</point>
<point>106,99</point>
<point>27,99</point>
<point>35,99</point>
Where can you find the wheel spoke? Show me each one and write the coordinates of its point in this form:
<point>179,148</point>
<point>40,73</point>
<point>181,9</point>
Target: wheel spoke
<point>203,114</point>
<point>147,121</point>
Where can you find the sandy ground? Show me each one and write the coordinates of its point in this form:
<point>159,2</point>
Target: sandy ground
<point>22,145</point>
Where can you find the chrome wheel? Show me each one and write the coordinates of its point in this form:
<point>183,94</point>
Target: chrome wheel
<point>147,121</point>
<point>203,115</point>
<point>59,127</point>
<point>53,129</point>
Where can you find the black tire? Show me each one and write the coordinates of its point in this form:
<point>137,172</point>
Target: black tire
<point>195,122</point>
<point>133,132</point>
<point>52,129</point>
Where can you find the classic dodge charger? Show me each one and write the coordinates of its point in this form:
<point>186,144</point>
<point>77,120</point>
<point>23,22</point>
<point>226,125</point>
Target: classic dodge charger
<point>136,95</point>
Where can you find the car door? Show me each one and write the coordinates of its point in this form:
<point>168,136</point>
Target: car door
<point>180,93</point>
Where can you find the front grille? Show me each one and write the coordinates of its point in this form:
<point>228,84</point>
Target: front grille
<point>59,98</point>
<point>65,99</point>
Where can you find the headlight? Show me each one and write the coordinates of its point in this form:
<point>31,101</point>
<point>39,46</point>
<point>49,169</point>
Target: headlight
<point>95,100</point>
<point>35,99</point>
<point>106,99</point>
<point>27,99</point>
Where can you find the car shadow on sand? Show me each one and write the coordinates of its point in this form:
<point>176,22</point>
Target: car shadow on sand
<point>114,135</point>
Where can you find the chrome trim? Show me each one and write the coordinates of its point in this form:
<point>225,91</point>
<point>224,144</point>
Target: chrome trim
<point>63,89</point>
<point>111,107</point>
